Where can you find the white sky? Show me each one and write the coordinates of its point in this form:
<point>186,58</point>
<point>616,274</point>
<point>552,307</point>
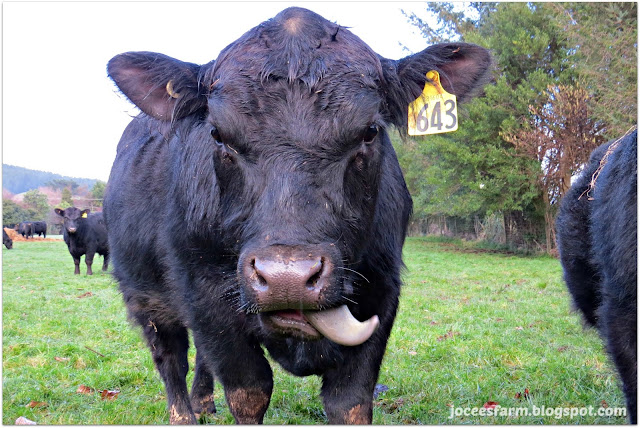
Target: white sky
<point>61,113</point>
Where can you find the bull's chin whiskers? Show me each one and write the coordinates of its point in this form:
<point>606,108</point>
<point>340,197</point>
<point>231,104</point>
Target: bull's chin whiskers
<point>354,271</point>
<point>349,300</point>
<point>252,309</point>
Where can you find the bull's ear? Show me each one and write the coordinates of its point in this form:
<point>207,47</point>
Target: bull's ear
<point>85,213</point>
<point>59,212</point>
<point>464,69</point>
<point>160,86</point>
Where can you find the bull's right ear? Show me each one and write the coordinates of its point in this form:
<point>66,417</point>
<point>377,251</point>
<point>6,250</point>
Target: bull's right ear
<point>59,212</point>
<point>464,69</point>
<point>161,86</point>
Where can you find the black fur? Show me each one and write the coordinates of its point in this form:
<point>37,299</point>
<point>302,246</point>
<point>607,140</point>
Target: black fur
<point>40,228</point>
<point>85,235</point>
<point>25,228</point>
<point>597,240</point>
<point>6,240</point>
<point>278,145</point>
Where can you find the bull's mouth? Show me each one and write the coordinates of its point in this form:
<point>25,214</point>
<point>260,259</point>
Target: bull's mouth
<point>290,322</point>
<point>336,324</point>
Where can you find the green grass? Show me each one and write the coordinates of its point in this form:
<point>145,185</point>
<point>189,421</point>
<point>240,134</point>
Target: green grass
<point>473,327</point>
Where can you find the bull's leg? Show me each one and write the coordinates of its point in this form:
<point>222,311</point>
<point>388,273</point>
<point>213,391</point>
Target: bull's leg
<point>619,323</point>
<point>88,259</point>
<point>248,383</point>
<point>348,397</point>
<point>169,346</point>
<point>76,262</point>
<point>105,262</point>
<point>202,389</point>
<point>243,371</point>
<point>347,390</point>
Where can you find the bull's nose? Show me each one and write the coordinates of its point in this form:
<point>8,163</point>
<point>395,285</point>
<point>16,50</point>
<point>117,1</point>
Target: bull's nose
<point>288,274</point>
<point>286,279</point>
<point>72,230</point>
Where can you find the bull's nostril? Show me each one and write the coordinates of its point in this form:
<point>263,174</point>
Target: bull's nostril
<point>257,281</point>
<point>316,273</point>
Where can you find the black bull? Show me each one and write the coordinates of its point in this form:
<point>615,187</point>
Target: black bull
<point>258,201</point>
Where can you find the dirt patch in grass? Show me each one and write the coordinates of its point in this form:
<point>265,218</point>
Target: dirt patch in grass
<point>16,237</point>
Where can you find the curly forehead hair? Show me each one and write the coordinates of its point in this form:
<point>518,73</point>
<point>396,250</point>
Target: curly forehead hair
<point>278,49</point>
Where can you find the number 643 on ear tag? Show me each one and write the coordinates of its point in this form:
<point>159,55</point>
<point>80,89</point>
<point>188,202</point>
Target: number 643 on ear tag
<point>435,111</point>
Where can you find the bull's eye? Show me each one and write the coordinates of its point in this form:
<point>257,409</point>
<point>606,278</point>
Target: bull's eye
<point>370,134</point>
<point>215,134</point>
<point>226,148</point>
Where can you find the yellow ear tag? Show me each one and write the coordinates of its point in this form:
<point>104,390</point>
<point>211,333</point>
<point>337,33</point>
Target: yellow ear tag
<point>84,215</point>
<point>435,111</point>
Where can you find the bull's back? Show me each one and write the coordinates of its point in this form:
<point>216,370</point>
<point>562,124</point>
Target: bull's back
<point>97,233</point>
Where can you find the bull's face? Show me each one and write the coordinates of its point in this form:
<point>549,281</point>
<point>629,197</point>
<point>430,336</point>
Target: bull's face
<point>283,147</point>
<point>72,217</point>
<point>304,171</point>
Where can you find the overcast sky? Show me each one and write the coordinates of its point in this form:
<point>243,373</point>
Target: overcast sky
<point>61,113</point>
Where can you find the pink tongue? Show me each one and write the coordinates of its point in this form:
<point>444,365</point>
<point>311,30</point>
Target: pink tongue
<point>341,327</point>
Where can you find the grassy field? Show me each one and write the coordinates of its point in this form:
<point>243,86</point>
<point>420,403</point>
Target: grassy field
<point>474,329</point>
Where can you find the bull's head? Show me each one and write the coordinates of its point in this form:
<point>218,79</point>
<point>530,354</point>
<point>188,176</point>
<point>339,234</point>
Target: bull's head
<point>285,163</point>
<point>72,217</point>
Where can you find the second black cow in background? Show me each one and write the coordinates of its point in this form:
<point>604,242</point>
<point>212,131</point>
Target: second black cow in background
<point>39,228</point>
<point>85,234</point>
<point>25,228</point>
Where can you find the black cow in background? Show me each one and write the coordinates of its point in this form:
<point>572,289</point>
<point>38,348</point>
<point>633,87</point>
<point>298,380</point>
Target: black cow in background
<point>597,240</point>
<point>6,240</point>
<point>85,233</point>
<point>25,228</point>
<point>258,201</point>
<point>39,228</point>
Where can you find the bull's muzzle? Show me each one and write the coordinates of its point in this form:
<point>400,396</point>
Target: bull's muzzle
<point>289,287</point>
<point>282,278</point>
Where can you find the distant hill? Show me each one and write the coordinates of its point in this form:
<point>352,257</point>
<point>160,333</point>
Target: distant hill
<point>17,179</point>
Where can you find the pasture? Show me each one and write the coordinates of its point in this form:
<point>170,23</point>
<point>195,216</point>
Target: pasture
<point>474,329</point>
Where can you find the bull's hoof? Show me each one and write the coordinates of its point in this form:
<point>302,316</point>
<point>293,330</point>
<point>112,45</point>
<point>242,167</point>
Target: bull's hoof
<point>177,418</point>
<point>203,406</point>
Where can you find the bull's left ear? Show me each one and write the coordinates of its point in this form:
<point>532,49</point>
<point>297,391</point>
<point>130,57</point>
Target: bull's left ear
<point>161,86</point>
<point>464,69</point>
<point>85,213</point>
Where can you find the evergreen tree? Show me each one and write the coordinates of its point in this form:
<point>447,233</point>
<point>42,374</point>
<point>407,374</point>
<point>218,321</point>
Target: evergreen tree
<point>605,38</point>
<point>98,192</point>
<point>38,202</point>
<point>13,213</point>
<point>66,200</point>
